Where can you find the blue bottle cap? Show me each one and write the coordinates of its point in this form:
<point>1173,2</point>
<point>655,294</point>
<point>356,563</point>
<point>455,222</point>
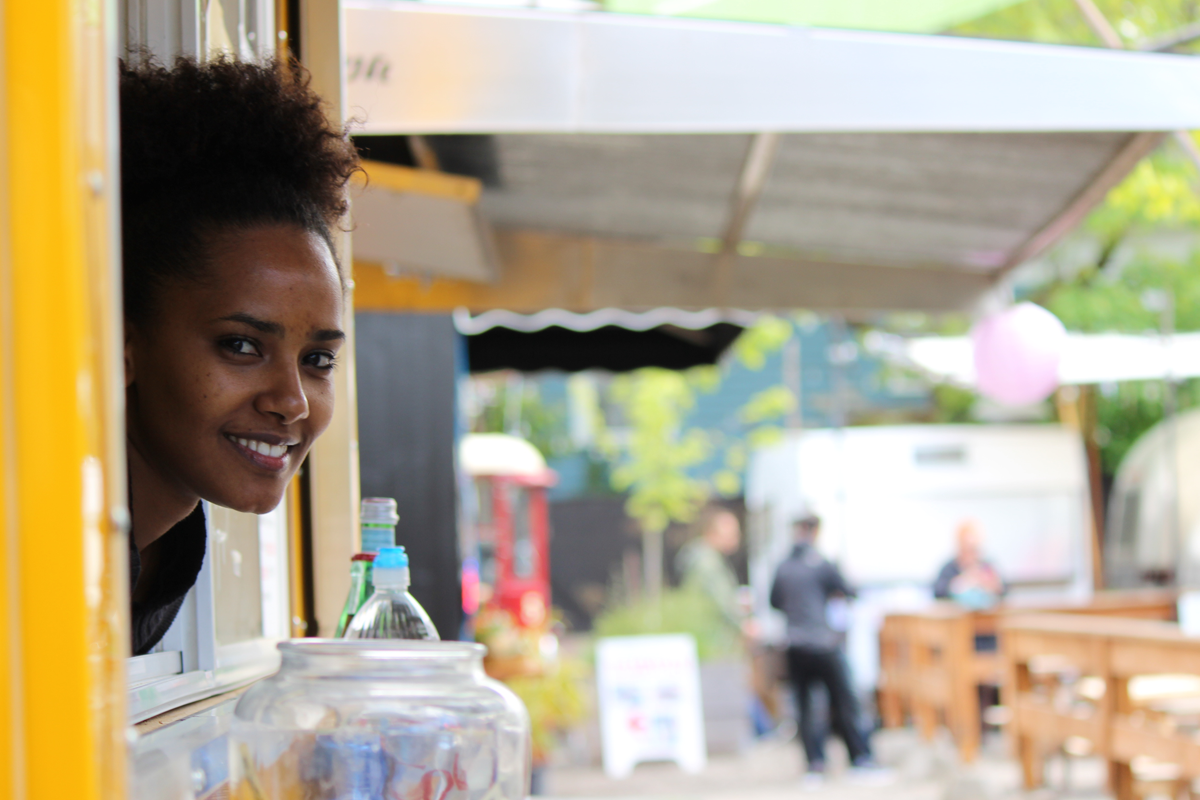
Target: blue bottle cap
<point>391,558</point>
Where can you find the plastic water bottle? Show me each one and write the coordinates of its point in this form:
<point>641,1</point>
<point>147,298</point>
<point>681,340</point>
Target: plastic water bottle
<point>391,613</point>
<point>378,519</point>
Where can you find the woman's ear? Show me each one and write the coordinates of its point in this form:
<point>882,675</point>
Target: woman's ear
<point>128,356</point>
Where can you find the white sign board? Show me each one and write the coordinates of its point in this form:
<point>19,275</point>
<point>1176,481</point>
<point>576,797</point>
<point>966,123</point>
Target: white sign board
<point>1187,609</point>
<point>650,708</point>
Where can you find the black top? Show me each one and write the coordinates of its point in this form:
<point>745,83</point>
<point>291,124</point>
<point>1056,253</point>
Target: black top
<point>181,554</point>
<point>951,570</point>
<point>803,585</point>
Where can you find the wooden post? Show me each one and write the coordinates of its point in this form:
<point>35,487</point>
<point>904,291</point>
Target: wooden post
<point>1116,705</point>
<point>963,707</point>
<point>333,460</point>
<point>890,672</point>
<point>923,710</point>
<point>1077,410</point>
<point>1016,683</point>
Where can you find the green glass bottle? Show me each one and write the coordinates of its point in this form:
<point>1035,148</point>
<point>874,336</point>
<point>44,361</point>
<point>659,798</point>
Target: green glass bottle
<point>361,588</point>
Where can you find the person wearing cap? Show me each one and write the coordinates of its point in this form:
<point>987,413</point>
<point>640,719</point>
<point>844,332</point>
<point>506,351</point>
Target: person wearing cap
<point>804,583</point>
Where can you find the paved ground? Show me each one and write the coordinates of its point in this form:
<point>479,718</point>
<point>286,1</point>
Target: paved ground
<point>771,770</point>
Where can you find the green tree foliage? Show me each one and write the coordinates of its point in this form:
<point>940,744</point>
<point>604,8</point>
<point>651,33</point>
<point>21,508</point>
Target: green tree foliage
<point>542,425</point>
<point>952,404</point>
<point>1126,411</point>
<point>654,463</point>
<point>555,701</point>
<point>910,16</point>
<point>1099,302</point>
<point>1059,21</point>
<point>761,339</point>
<point>1158,197</point>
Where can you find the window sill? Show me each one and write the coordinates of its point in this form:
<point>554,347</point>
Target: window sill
<point>149,726</point>
<point>162,695</point>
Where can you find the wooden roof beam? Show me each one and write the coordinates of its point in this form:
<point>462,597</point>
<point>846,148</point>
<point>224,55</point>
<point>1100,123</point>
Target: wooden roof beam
<point>546,270</point>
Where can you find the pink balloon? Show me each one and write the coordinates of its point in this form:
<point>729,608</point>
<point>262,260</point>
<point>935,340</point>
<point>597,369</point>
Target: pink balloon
<point>1017,353</point>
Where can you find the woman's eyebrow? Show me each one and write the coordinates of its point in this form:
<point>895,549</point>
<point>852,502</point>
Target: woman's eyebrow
<point>256,323</point>
<point>328,335</point>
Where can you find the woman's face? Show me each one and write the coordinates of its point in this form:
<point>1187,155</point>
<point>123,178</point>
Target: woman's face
<point>231,380</point>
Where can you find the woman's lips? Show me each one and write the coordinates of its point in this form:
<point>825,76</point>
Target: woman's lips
<point>273,457</point>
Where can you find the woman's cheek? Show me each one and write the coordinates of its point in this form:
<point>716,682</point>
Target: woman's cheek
<point>321,402</point>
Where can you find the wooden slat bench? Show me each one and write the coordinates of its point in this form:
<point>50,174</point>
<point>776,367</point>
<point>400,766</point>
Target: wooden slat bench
<point>1120,725</point>
<point>930,669</point>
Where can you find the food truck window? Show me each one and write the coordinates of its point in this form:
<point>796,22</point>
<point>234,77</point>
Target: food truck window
<point>487,563</point>
<point>524,554</point>
<point>483,500</point>
<point>237,581</point>
<point>226,631</point>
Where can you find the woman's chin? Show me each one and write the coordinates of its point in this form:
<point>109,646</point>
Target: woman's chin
<point>259,503</point>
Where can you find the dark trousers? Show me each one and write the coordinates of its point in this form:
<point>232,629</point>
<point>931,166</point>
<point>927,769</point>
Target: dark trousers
<point>808,667</point>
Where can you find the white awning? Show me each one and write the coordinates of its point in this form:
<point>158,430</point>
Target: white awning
<point>500,454</point>
<point>1086,358</point>
<point>469,325</point>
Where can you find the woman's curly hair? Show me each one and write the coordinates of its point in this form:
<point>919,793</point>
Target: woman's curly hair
<point>215,146</point>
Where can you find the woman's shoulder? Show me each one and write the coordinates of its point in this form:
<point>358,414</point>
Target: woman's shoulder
<point>178,557</point>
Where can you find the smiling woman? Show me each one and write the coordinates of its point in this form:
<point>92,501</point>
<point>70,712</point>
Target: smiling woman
<point>232,179</point>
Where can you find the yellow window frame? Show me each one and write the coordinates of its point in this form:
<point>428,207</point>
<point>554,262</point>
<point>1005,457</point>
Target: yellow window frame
<point>62,552</point>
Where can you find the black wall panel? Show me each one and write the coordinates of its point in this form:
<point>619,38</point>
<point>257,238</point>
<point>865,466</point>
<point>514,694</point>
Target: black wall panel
<point>406,433</point>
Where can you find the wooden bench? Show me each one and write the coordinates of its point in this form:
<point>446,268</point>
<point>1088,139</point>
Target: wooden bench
<point>930,669</point>
<point>927,668</point>
<point>1119,725</point>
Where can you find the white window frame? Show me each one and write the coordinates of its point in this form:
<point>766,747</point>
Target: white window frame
<point>188,664</point>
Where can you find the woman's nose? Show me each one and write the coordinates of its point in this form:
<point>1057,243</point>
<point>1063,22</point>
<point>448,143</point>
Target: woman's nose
<point>285,398</point>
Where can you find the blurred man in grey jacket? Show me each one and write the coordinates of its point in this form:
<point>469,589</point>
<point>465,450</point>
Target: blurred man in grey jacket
<point>803,585</point>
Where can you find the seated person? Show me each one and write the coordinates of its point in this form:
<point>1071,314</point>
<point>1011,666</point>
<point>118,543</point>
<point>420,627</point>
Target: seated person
<point>967,578</point>
<point>232,182</point>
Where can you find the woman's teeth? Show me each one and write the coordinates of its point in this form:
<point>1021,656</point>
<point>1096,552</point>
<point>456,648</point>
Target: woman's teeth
<point>272,450</point>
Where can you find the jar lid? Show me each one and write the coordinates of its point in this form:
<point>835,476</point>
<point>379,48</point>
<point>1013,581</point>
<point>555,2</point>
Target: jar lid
<point>386,654</point>
<point>363,557</point>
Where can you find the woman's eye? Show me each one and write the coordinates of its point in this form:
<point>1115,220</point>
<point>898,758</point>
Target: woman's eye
<point>320,360</point>
<point>240,346</point>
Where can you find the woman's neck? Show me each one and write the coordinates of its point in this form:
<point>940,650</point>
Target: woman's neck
<point>156,503</point>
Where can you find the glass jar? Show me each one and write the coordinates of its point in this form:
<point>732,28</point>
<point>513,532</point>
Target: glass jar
<point>378,719</point>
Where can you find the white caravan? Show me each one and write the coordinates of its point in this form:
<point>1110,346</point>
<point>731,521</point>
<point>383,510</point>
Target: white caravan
<point>1154,509</point>
<point>890,498</point>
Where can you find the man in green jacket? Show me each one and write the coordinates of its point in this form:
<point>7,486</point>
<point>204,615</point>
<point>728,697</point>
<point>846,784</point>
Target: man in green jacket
<point>702,564</point>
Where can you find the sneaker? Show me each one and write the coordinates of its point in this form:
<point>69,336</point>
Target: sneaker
<point>868,772</point>
<point>813,779</point>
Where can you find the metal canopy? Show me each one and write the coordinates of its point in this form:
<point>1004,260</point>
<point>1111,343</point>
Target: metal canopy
<point>901,172</point>
<point>965,201</point>
<point>432,68</point>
